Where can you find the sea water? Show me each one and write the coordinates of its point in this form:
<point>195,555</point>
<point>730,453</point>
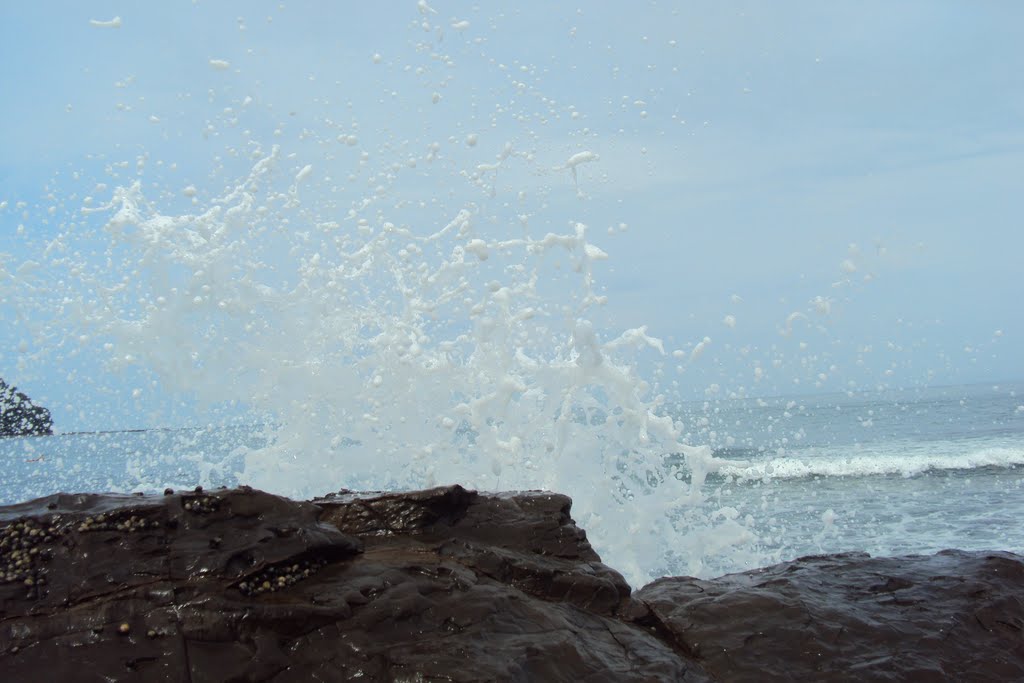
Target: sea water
<point>384,270</point>
<point>886,473</point>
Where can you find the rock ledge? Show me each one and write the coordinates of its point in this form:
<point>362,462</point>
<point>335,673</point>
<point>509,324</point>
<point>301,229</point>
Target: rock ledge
<point>451,585</point>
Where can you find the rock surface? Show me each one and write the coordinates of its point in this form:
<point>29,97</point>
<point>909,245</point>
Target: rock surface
<point>451,585</point>
<point>19,416</point>
<point>952,616</point>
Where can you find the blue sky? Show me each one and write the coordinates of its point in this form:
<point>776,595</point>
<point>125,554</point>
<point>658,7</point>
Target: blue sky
<point>755,158</point>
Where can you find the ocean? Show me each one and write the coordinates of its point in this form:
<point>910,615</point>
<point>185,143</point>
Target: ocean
<point>887,473</point>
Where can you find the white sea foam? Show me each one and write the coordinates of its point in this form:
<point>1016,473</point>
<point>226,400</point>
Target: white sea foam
<point>908,462</point>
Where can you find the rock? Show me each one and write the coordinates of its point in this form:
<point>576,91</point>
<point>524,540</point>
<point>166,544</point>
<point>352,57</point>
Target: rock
<point>241,585</point>
<point>952,616</point>
<point>19,417</point>
<point>448,584</point>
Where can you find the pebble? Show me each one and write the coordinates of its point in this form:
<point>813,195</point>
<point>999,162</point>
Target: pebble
<point>130,523</point>
<point>201,505</point>
<point>278,577</point>
<point>27,544</point>
<point>23,550</point>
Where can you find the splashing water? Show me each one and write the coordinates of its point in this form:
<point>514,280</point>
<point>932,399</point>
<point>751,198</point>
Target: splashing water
<point>387,358</point>
<point>378,337</point>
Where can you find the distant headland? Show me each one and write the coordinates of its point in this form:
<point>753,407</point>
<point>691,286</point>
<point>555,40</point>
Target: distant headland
<point>19,416</point>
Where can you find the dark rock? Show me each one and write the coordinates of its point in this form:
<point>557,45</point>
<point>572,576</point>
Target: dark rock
<point>241,585</point>
<point>18,415</point>
<point>952,616</point>
<point>448,584</point>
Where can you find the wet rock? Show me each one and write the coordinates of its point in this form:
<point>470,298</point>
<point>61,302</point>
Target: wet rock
<point>19,416</point>
<point>952,616</point>
<point>442,584</point>
<point>447,584</point>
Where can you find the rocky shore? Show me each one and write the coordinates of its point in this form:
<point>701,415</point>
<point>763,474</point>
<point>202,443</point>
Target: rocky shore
<point>451,585</point>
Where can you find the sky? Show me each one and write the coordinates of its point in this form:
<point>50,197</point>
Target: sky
<point>829,192</point>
